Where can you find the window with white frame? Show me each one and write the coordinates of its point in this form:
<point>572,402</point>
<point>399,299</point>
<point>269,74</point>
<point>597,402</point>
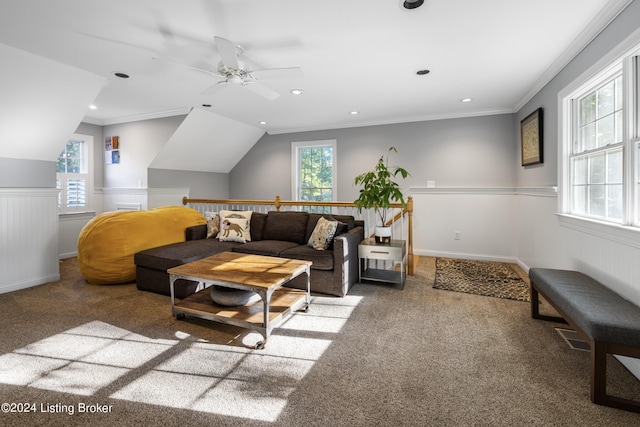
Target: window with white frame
<point>73,175</point>
<point>600,162</point>
<point>314,171</point>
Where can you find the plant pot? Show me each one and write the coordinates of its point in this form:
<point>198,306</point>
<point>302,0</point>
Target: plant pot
<point>383,234</point>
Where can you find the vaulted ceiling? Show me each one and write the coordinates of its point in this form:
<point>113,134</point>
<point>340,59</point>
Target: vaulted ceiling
<point>355,56</point>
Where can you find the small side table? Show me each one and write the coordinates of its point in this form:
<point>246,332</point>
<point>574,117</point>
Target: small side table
<point>396,251</point>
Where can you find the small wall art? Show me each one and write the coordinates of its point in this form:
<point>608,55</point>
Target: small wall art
<point>531,138</point>
<point>112,150</point>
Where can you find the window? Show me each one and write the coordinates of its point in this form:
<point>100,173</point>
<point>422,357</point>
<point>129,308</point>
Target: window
<point>314,171</point>
<point>73,175</point>
<point>597,151</point>
<point>600,166</point>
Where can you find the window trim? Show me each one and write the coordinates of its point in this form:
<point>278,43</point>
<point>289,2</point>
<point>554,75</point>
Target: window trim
<point>88,144</point>
<point>621,233</point>
<point>295,165</point>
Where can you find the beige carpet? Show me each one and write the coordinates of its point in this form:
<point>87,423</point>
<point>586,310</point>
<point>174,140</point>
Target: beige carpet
<point>379,357</point>
<point>488,278</point>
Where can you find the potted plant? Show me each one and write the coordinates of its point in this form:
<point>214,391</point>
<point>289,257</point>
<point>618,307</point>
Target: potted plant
<point>378,191</point>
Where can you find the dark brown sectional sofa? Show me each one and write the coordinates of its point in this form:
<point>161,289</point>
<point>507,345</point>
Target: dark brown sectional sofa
<point>279,234</point>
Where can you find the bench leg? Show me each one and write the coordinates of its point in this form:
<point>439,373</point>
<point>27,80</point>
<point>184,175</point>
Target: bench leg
<point>535,307</point>
<point>598,373</point>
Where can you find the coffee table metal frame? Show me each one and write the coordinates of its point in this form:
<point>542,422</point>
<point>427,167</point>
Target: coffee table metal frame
<point>278,303</point>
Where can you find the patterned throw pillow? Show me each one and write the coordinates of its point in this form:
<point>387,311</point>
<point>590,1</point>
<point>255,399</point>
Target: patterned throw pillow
<point>213,224</point>
<point>246,227</point>
<point>234,230</point>
<point>323,233</point>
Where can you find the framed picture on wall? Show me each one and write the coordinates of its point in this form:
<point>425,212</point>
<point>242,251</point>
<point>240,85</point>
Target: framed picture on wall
<point>531,138</point>
<point>112,150</point>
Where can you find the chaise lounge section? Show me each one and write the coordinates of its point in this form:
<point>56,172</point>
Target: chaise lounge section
<point>279,234</point>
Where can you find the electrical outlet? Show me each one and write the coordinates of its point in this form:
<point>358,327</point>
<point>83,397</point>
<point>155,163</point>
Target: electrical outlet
<point>431,184</point>
<point>456,235</point>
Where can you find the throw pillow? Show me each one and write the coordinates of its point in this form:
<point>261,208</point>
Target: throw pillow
<point>213,224</point>
<point>289,226</point>
<point>234,230</point>
<point>323,233</point>
<point>246,215</point>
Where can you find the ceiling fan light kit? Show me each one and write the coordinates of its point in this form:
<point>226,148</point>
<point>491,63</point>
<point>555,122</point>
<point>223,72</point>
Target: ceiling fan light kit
<point>233,71</point>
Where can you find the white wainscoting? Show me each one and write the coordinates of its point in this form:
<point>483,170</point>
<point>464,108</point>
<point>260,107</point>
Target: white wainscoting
<point>483,218</point>
<point>29,237</point>
<point>70,226</point>
<point>114,199</point>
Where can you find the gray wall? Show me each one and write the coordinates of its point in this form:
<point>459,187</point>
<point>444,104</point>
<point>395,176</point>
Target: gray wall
<point>140,143</point>
<point>547,98</point>
<point>98,150</point>
<point>19,173</point>
<point>202,185</point>
<point>466,152</point>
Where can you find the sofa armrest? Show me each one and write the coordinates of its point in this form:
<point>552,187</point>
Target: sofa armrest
<point>346,244</point>
<point>345,257</point>
<point>196,232</point>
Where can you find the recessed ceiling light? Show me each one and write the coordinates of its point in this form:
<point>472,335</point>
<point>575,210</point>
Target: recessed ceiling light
<point>121,75</point>
<point>93,107</point>
<point>412,4</point>
<point>297,91</point>
<point>422,72</point>
<point>466,100</point>
<point>262,122</point>
<point>353,113</point>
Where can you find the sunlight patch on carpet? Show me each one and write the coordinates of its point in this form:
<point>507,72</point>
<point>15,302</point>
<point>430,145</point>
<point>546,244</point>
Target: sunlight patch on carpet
<point>488,278</point>
<point>98,358</point>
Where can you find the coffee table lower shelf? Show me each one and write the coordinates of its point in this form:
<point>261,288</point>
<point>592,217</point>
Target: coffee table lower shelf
<point>284,302</point>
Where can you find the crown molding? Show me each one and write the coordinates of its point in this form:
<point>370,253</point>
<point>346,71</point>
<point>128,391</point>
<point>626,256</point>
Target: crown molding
<point>611,10</point>
<point>138,117</point>
<point>395,121</point>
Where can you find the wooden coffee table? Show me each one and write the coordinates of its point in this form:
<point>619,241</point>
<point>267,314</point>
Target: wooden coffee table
<point>261,274</point>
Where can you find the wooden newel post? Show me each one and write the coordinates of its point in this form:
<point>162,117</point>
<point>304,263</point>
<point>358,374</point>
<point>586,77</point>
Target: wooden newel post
<point>277,203</point>
<point>411,263</point>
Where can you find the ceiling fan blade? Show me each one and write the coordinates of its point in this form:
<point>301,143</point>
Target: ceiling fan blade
<point>228,53</point>
<point>202,70</point>
<point>214,89</point>
<point>278,73</point>
<point>262,91</point>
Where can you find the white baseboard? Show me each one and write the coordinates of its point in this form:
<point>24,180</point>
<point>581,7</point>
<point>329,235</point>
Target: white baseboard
<point>29,283</point>
<point>68,255</point>
<point>476,257</point>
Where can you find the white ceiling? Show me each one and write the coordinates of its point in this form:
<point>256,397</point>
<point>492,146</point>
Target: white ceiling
<point>356,55</point>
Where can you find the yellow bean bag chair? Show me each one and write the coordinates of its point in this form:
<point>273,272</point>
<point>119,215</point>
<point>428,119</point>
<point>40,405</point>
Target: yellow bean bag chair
<point>109,241</point>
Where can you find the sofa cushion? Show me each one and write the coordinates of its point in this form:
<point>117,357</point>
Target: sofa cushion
<point>322,260</point>
<point>265,247</point>
<point>168,256</point>
<point>196,232</point>
<point>288,226</point>
<point>258,220</point>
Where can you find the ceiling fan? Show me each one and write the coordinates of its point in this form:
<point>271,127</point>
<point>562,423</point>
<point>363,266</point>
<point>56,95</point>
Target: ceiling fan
<point>233,72</point>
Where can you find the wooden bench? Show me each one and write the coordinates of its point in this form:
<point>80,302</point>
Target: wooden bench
<point>608,322</point>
